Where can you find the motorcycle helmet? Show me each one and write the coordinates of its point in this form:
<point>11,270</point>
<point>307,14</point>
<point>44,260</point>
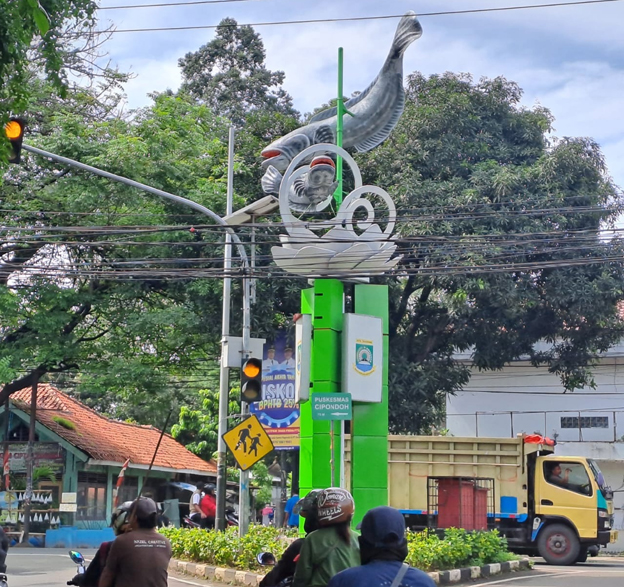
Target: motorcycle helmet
<point>210,488</point>
<point>334,505</point>
<point>120,517</point>
<point>307,504</point>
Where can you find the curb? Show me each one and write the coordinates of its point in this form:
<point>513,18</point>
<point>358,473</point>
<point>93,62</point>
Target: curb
<point>245,578</point>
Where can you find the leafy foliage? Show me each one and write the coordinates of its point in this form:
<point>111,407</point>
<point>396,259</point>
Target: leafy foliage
<point>478,184</point>
<point>458,549</point>
<point>197,429</point>
<point>31,31</point>
<point>229,75</point>
<point>226,548</point>
<point>426,550</point>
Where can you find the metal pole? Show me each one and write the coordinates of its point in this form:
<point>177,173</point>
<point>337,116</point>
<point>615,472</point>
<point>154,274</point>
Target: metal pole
<point>244,494</point>
<point>224,380</point>
<point>342,455</point>
<point>340,110</point>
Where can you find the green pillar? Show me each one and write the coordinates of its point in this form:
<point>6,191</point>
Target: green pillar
<point>325,302</point>
<point>369,428</point>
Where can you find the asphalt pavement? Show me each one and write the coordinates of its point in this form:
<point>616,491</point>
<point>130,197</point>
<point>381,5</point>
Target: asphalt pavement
<point>52,567</point>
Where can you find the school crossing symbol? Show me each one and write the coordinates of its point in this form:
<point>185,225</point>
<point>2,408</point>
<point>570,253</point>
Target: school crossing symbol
<point>248,442</point>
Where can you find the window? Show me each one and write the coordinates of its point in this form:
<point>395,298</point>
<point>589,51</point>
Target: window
<point>128,490</point>
<point>586,422</point>
<point>91,499</point>
<point>571,476</point>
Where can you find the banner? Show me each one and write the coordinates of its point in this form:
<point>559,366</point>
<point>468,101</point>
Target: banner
<point>48,454</point>
<point>278,411</point>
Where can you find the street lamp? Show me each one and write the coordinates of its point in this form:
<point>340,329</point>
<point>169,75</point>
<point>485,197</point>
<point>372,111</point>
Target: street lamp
<point>263,206</point>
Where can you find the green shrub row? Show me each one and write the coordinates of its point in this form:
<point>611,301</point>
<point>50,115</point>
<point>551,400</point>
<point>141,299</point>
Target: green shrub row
<point>458,549</point>
<point>425,550</point>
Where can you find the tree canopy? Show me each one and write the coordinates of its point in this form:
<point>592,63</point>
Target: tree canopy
<point>500,231</point>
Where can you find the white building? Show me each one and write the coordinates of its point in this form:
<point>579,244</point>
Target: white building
<point>523,398</point>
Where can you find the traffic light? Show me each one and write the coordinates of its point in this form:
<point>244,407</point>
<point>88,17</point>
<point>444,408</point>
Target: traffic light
<point>14,131</point>
<point>251,380</point>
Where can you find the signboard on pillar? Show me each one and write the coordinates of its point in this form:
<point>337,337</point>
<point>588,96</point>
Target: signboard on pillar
<point>303,349</point>
<point>362,352</point>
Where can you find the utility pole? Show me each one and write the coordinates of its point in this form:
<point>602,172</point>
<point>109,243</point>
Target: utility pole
<point>224,380</point>
<point>30,458</point>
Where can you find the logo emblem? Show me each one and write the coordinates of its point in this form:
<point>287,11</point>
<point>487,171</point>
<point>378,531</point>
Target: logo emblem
<point>364,358</point>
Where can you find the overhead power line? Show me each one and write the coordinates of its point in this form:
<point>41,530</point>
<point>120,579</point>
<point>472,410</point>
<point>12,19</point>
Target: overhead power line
<point>353,18</point>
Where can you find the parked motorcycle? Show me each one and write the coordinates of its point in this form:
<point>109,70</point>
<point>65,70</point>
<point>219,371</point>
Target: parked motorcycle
<point>79,560</point>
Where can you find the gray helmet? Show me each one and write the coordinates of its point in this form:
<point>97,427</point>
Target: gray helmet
<point>120,517</point>
<point>307,505</point>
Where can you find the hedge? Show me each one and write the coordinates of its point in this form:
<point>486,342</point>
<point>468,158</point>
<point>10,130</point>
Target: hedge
<point>425,550</point>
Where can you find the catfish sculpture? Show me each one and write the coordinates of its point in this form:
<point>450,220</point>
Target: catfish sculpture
<point>375,113</point>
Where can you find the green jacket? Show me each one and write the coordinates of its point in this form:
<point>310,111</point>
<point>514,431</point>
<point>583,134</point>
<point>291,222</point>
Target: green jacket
<point>323,555</point>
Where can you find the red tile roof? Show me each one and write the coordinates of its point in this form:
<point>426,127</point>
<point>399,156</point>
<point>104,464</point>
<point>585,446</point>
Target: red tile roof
<point>104,439</point>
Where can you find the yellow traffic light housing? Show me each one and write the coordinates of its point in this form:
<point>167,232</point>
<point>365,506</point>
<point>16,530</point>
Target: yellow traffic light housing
<point>14,131</point>
<point>251,380</point>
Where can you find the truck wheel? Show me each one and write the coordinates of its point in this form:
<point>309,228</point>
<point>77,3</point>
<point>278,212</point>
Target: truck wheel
<point>558,545</point>
<point>582,555</point>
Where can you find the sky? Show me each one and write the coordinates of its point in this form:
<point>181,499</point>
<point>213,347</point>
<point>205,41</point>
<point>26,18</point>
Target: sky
<point>569,59</point>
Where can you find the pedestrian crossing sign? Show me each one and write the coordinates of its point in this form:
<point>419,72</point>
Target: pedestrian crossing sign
<point>248,442</point>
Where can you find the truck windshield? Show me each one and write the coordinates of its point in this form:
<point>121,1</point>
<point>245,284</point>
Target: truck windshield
<point>598,476</point>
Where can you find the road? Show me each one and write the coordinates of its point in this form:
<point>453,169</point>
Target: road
<point>53,568</point>
<point>596,572</point>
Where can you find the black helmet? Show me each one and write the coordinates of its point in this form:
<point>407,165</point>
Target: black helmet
<point>200,486</point>
<point>120,517</point>
<point>307,505</point>
<point>210,487</point>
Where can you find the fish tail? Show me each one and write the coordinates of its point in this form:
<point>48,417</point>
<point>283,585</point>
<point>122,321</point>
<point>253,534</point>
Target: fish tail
<point>271,181</point>
<point>408,30</point>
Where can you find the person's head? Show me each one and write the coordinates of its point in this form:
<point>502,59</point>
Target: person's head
<point>200,486</point>
<point>209,488</point>
<point>556,470</point>
<point>306,508</point>
<point>143,513</point>
<point>382,535</point>
<point>120,520</point>
<point>335,507</point>
<point>271,353</point>
<point>288,353</point>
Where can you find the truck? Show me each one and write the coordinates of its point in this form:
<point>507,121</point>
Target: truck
<point>553,506</point>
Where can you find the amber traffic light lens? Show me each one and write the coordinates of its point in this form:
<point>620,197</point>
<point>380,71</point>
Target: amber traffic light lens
<point>13,129</point>
<point>252,368</point>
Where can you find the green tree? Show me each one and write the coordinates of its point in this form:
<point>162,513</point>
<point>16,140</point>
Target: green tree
<point>99,280</point>
<point>198,427</point>
<point>230,76</point>
<point>499,227</point>
<point>37,32</point>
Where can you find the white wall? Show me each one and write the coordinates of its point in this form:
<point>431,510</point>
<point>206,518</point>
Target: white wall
<point>522,398</point>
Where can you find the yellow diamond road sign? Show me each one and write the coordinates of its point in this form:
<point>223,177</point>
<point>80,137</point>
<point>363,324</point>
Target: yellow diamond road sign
<point>248,442</point>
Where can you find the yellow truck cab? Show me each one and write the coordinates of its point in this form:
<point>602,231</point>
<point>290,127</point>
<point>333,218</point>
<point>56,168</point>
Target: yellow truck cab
<point>555,507</point>
<point>572,508</point>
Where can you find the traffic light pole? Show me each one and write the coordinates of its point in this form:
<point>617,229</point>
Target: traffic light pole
<point>244,477</point>
<point>224,380</point>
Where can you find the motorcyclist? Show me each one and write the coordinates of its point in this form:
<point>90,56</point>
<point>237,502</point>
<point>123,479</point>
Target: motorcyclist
<point>383,548</point>
<point>142,557</point>
<point>120,525</point>
<point>195,513</point>
<point>208,506</point>
<point>333,547</point>
<point>285,568</point>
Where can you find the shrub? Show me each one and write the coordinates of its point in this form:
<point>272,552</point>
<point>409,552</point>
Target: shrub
<point>426,550</point>
<point>226,549</point>
<point>457,549</point>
